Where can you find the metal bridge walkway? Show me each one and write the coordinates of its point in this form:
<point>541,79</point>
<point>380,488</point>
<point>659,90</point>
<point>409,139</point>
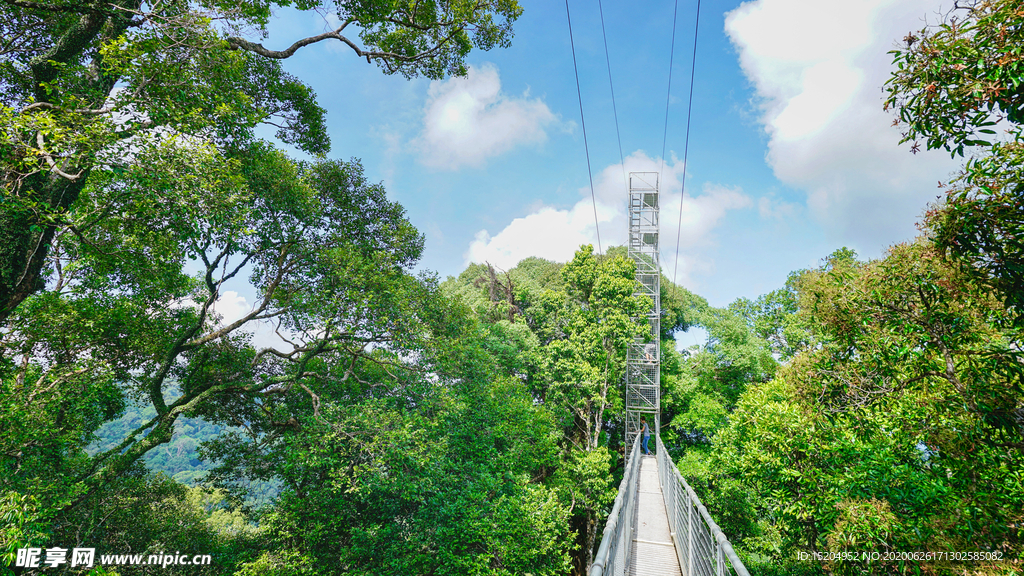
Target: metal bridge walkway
<point>658,525</point>
<point>652,553</point>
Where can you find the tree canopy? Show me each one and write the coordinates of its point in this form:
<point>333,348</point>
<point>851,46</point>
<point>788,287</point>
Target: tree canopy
<point>361,418</point>
<point>136,194</point>
<point>960,86</point>
<point>98,86</point>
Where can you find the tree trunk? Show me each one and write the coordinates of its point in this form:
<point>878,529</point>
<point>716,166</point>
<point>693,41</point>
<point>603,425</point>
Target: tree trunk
<point>582,556</point>
<point>26,235</point>
<point>591,535</point>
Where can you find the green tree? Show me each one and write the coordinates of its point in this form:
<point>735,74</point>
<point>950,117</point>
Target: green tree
<point>584,331</point>
<point>895,429</point>
<point>131,323</point>
<point>568,326</point>
<point>595,320</point>
<point>701,385</point>
<point>434,467</point>
<point>84,86</point>
<point>773,318</point>
<point>134,194</point>
<point>173,518</point>
<point>955,84</point>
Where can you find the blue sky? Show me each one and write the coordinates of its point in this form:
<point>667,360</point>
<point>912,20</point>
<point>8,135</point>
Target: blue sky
<point>791,155</point>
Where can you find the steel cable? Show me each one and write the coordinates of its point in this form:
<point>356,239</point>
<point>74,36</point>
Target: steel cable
<point>590,172</point>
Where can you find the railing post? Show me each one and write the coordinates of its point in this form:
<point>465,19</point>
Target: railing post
<point>719,558</point>
<point>689,536</point>
<point>619,525</point>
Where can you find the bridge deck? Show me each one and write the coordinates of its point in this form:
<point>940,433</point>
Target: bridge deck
<point>654,553</point>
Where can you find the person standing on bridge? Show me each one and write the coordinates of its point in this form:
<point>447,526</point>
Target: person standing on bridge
<point>646,431</point>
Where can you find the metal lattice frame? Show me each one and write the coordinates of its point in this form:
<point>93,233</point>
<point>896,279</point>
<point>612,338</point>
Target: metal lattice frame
<point>643,358</point>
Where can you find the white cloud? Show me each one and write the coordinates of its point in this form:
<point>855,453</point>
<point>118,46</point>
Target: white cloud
<point>468,120</point>
<point>817,67</point>
<point>555,234</point>
<point>231,306</point>
<point>774,209</point>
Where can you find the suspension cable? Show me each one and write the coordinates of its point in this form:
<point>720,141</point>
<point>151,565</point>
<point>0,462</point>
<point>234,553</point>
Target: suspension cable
<point>668,95</point>
<point>579,95</point>
<point>686,146</point>
<point>611,86</point>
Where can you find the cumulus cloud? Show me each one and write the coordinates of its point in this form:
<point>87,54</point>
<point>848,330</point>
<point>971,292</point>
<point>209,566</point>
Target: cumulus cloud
<point>231,306</point>
<point>817,67</point>
<point>555,234</point>
<point>774,209</point>
<point>468,120</point>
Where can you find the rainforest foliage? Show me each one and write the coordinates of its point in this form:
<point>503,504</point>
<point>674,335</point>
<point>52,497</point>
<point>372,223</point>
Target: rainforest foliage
<point>363,419</point>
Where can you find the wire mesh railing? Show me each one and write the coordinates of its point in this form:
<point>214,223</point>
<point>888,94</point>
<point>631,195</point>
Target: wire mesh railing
<point>701,546</point>
<point>612,558</point>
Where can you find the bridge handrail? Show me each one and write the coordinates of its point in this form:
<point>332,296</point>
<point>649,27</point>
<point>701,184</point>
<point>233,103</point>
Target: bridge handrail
<point>612,556</point>
<point>680,519</point>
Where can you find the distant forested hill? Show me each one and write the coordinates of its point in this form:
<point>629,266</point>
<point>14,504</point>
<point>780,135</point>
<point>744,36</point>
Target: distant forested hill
<point>178,459</point>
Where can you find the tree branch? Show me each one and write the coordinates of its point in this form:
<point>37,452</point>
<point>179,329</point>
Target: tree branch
<point>77,8</point>
<point>235,43</point>
<point>84,111</point>
<point>53,165</point>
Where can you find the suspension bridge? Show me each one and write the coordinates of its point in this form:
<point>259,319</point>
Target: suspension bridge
<point>657,525</point>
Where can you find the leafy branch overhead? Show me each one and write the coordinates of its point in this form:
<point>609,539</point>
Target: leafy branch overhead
<point>87,86</point>
<point>409,37</point>
<point>954,82</point>
<point>958,85</point>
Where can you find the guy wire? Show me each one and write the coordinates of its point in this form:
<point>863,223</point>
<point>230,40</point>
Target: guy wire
<point>611,87</point>
<point>579,95</point>
<point>668,96</point>
<point>686,145</point>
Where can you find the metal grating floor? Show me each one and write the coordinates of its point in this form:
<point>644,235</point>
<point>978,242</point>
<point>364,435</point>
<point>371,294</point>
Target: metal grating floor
<point>654,553</point>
